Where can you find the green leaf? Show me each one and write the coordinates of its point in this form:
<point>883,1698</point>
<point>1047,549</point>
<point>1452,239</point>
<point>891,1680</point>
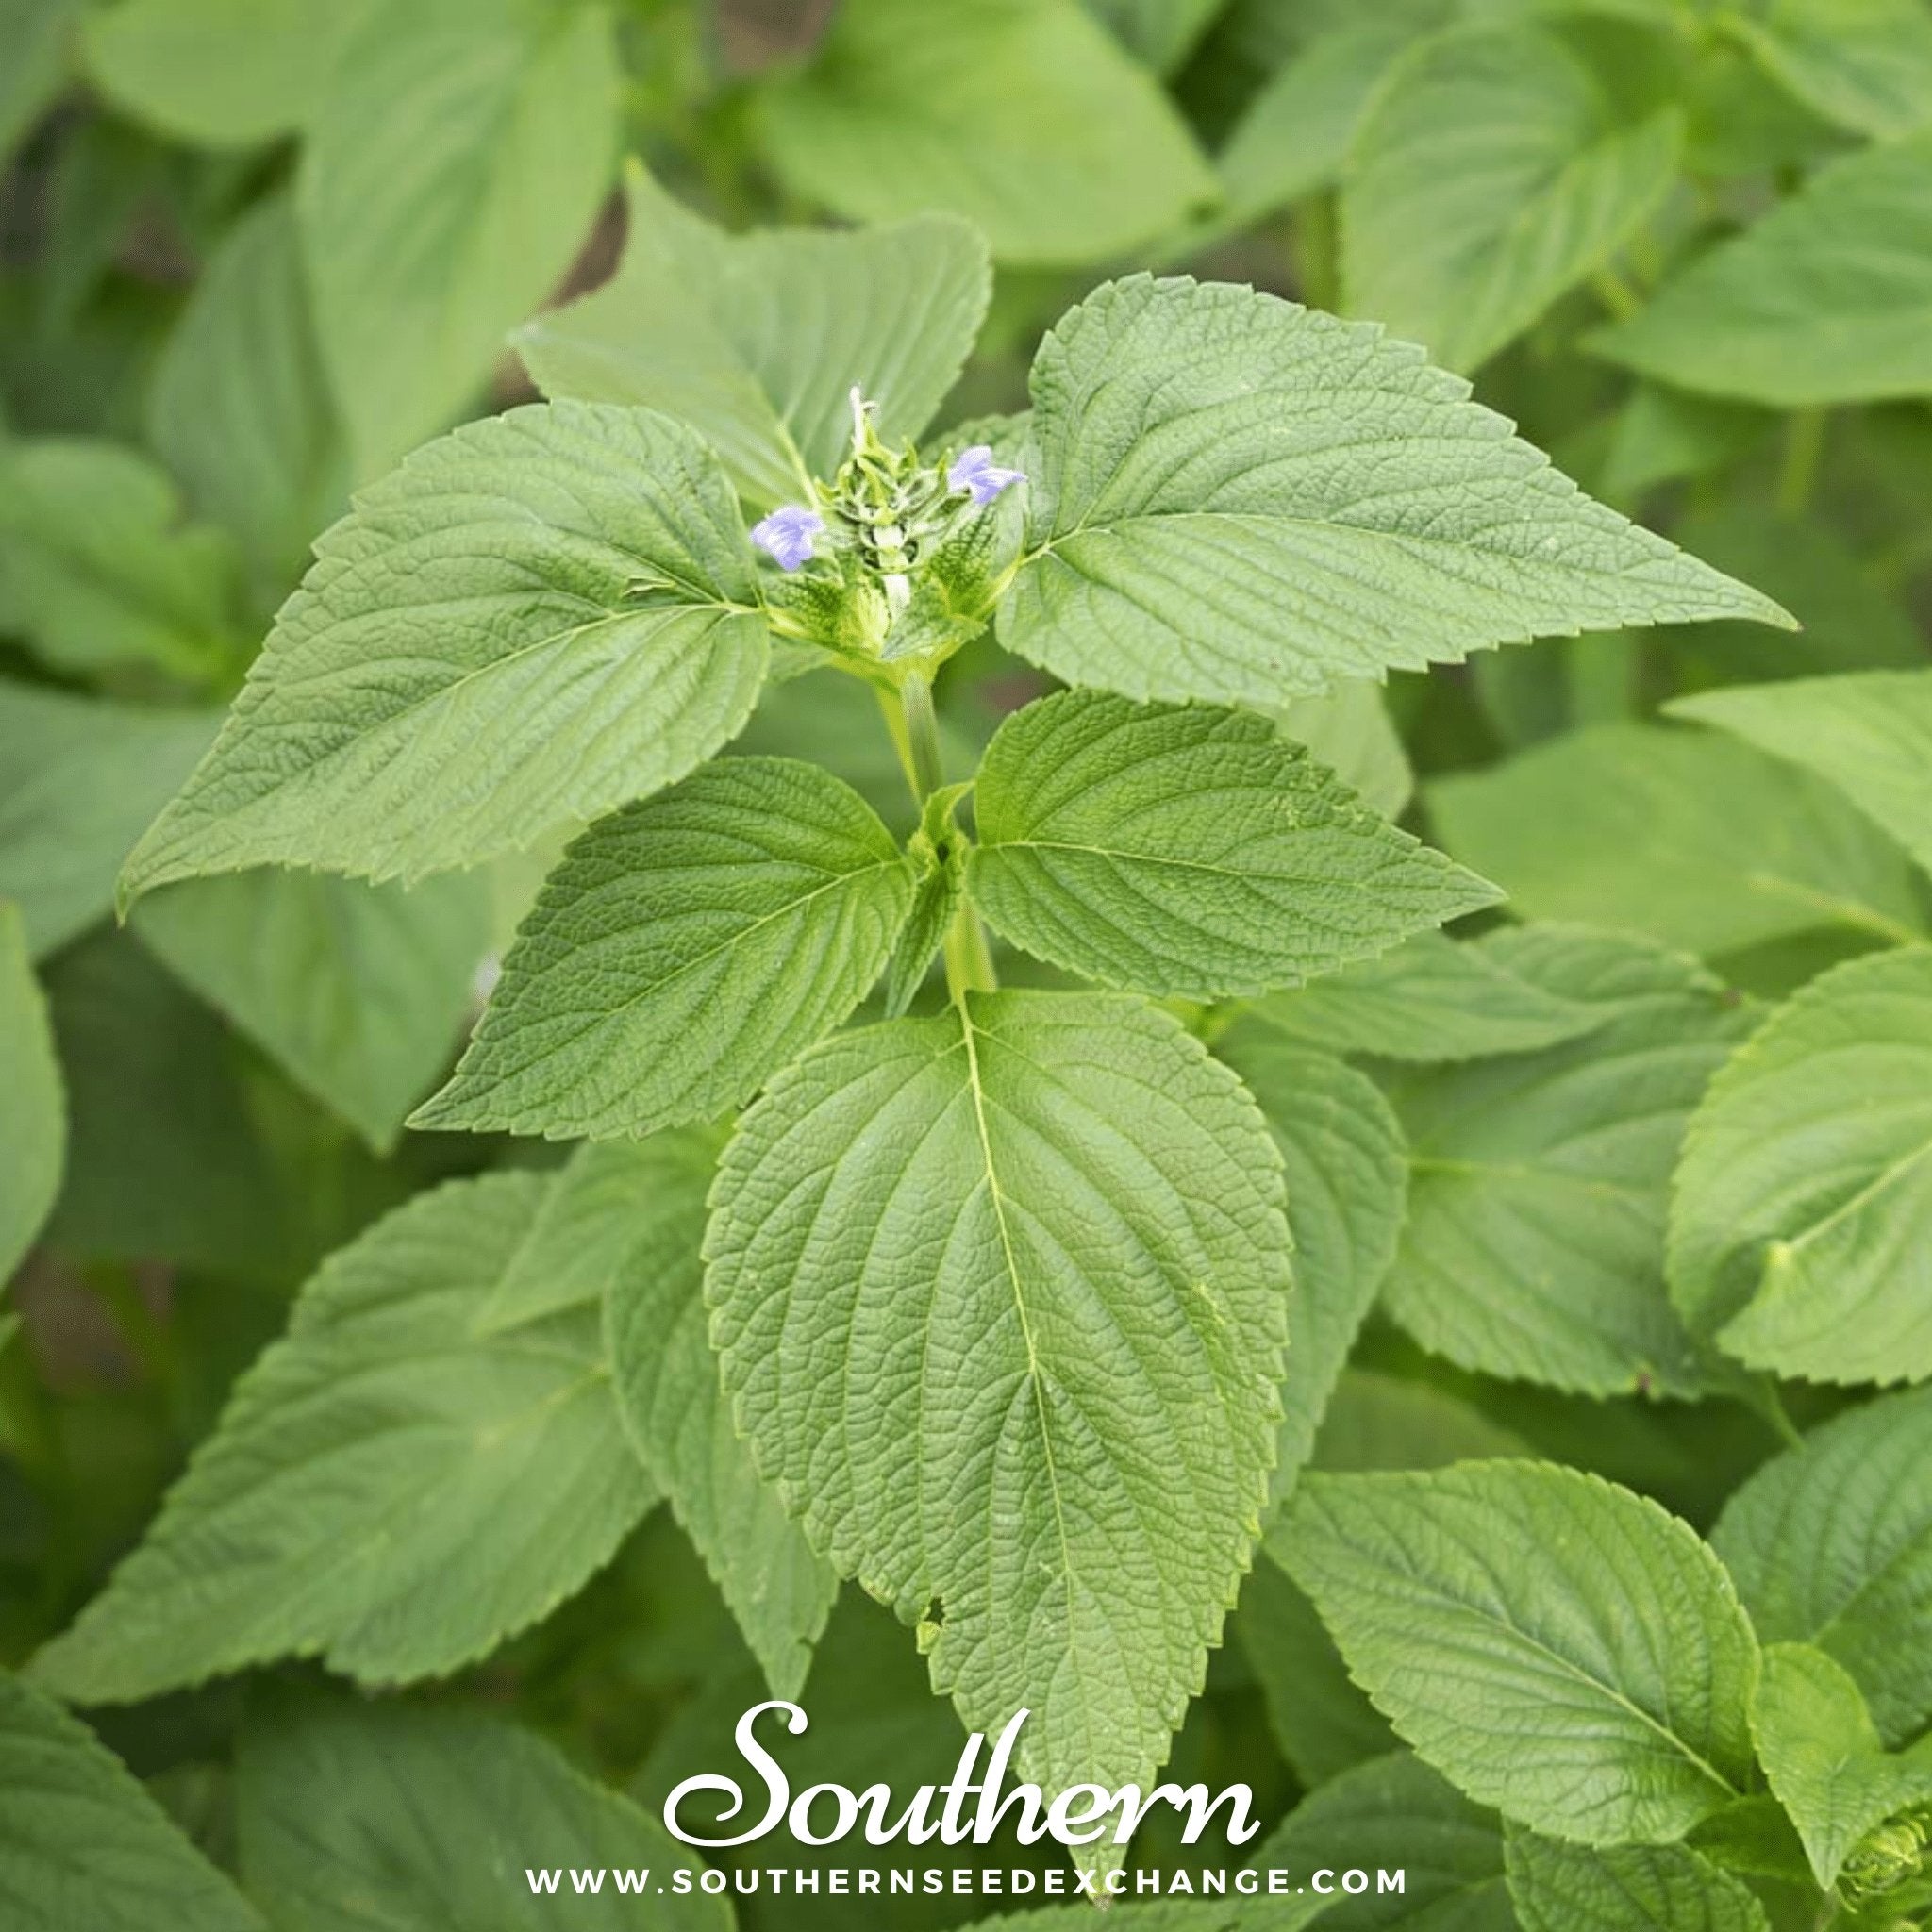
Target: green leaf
<point>1025,116</point>
<point>535,619</point>
<point>97,569</point>
<point>164,1163</point>
<point>155,60</point>
<point>1376,1420</point>
<point>1853,622</point>
<point>38,33</point>
<point>1565,1887</point>
<point>1160,33</point>
<point>1539,1181</point>
<point>684,949</point>
<point>938,856</point>
<point>1237,499</point>
<point>1349,730</point>
<point>1699,841</point>
<point>1323,1720</point>
<point>1452,1850</point>
<point>1554,1646</point>
<point>1866,64</point>
<point>78,780</point>
<point>1663,434</point>
<point>1826,299</point>
<point>1295,134</point>
<point>33,1127</point>
<point>423,253</point>
<point>359,992</point>
<point>1432,998</point>
<point>390,1488</point>
<point>1869,734</point>
<point>1801,1225</point>
<point>756,340</point>
<point>1322,1723</point>
<point>1831,1544</point>
<point>1822,1758</point>
<point>1345,1165</point>
<point>347,1806</point>
<point>1001,1300</point>
<point>1552,174</point>
<point>680,1424</point>
<point>240,405</point>
<point>1190,850</point>
<point>83,1845</point>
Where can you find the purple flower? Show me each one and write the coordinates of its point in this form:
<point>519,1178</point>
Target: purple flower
<point>974,472</point>
<point>787,534</point>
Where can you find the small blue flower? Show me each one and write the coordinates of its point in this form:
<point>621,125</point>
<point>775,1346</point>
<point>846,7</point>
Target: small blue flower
<point>787,534</point>
<point>974,472</point>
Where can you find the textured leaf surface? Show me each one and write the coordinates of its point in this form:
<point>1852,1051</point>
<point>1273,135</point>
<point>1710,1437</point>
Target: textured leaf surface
<point>33,1124</point>
<point>1801,1227</point>
<point>359,990</point>
<point>388,1488</point>
<point>676,1412</point>
<point>83,1845</point>
<point>153,58</point>
<point>97,569</point>
<point>1493,171</point>
<point>1237,499</point>
<point>240,405</point>
<point>756,340</point>
<point>79,781</point>
<point>1322,1723</point>
<point>1190,850</point>
<point>1540,1183</point>
<point>342,1804</point>
<point>1345,1165</point>
<point>1822,1758</point>
<point>1831,1544</point>
<point>1432,998</point>
<point>450,173</point>
<point>1827,299</point>
<point>1556,1645</point>
<point>1870,735</point>
<point>685,949</point>
<point>1322,1719</point>
<point>535,619</point>
<point>1700,841</point>
<point>1001,1298</point>
<point>1452,1850</point>
<point>1555,1887</point>
<point>1025,116</point>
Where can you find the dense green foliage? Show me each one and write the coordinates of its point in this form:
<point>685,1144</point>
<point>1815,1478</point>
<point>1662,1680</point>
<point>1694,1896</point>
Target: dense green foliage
<point>914,628</point>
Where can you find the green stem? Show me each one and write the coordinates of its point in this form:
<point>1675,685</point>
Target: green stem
<point>1317,253</point>
<point>923,736</point>
<point>1771,1404</point>
<point>1615,294</point>
<point>1803,451</point>
<point>967,952</point>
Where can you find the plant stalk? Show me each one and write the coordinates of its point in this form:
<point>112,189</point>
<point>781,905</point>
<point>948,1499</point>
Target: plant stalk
<point>1804,452</point>
<point>967,952</point>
